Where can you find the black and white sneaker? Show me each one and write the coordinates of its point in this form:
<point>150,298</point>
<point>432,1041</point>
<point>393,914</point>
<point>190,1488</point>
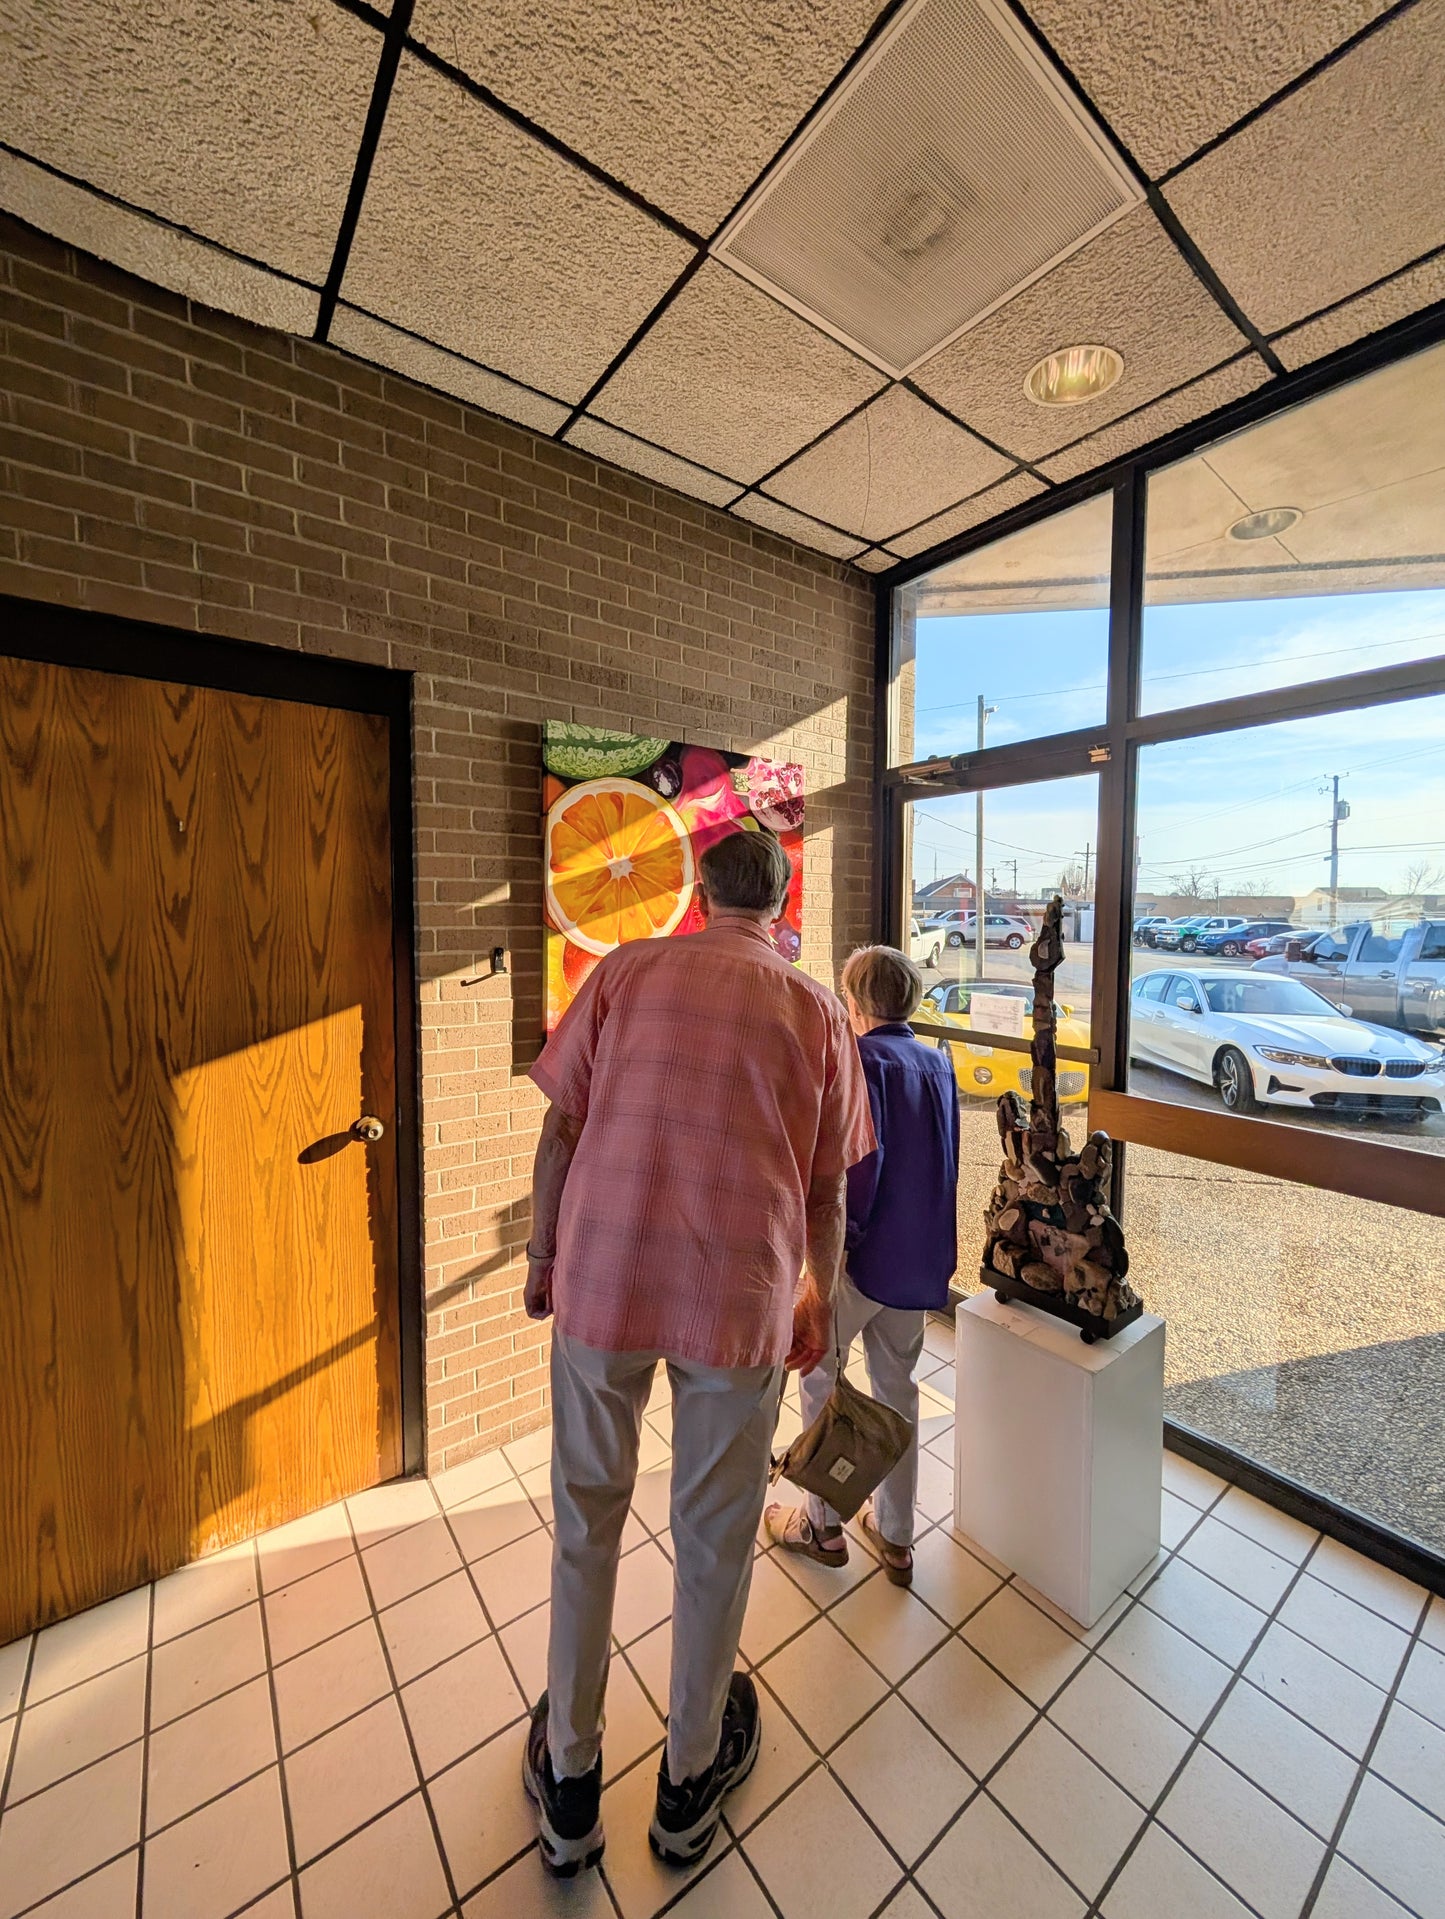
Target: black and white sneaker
<point>569,1811</point>
<point>688,1815</point>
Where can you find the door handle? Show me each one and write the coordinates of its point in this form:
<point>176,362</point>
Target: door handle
<point>368,1129</point>
<point>1385,975</point>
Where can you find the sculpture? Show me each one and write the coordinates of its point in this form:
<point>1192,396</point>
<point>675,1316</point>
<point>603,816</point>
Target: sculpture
<point>1050,1237</point>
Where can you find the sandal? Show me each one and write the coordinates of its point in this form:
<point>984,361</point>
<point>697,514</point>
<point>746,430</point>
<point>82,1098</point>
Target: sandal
<point>896,1561</point>
<point>791,1528</point>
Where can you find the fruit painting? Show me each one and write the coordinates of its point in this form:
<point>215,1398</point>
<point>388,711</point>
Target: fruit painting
<point>627,818</point>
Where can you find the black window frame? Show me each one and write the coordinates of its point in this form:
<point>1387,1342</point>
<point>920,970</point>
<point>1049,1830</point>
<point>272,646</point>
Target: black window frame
<point>1388,1173</point>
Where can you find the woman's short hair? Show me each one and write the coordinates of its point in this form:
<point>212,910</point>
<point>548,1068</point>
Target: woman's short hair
<point>748,871</point>
<point>883,983</point>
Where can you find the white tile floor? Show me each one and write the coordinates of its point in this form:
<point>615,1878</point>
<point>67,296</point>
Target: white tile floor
<point>328,1722</point>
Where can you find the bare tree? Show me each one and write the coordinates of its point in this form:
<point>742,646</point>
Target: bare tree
<point>1254,889</point>
<point>1420,878</point>
<point>1071,882</point>
<point>1194,885</point>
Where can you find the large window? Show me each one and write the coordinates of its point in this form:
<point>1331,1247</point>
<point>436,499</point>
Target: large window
<point>1295,876</point>
<point>1307,547</point>
<point>1248,832</point>
<point>1008,643</point>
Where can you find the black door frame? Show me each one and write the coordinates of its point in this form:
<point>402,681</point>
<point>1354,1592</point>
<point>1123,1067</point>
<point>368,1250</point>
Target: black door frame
<point>137,649</point>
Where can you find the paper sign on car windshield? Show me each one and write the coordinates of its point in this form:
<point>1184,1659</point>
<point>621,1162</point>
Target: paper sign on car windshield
<point>997,1013</point>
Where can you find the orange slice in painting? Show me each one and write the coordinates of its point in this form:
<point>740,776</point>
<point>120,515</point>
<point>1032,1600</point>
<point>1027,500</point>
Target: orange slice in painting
<point>618,865</point>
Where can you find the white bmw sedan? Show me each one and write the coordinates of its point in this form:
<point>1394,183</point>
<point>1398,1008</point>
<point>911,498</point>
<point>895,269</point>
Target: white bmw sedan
<point>1265,1041</point>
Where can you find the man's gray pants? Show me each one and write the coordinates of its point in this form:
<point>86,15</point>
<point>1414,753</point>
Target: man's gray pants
<point>722,1432</point>
<point>892,1343</point>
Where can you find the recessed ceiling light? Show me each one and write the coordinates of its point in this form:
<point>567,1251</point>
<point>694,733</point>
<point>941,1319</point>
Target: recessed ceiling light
<point>1073,375</point>
<point>1265,524</point>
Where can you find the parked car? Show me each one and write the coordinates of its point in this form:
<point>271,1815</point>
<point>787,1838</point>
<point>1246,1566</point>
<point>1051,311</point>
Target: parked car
<point>1148,935</point>
<point>1166,938</point>
<point>1145,928</point>
<point>925,941</point>
<point>1393,979</point>
<point>1276,942</point>
<point>999,929</point>
<point>1230,941</point>
<point>1261,1040</point>
<point>983,1072</point>
<point>1184,936</point>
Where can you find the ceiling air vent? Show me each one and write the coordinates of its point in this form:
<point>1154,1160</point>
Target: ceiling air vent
<point>953,168</point>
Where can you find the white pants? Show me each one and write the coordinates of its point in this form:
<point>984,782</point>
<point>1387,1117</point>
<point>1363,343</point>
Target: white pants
<point>722,1432</point>
<point>892,1342</point>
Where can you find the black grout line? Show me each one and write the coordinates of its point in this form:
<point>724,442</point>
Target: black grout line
<point>1236,1677</point>
<point>1041,1713</point>
<point>1332,1844</point>
<point>145,1763</point>
<point>1300,81</point>
<point>892,1689</point>
<point>388,61</point>
<point>276,1735</point>
<point>102,1865</point>
<point>446,1864</point>
<point>20,1699</point>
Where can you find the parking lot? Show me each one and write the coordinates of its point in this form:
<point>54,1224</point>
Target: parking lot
<point>1073,987</point>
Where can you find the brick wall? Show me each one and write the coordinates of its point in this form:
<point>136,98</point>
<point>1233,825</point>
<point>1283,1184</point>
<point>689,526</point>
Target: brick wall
<point>167,463</point>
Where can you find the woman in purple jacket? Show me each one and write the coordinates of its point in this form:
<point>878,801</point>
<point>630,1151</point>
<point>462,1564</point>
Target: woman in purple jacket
<point>901,1248</point>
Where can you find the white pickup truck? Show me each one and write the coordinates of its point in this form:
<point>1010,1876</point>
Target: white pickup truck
<point>1389,979</point>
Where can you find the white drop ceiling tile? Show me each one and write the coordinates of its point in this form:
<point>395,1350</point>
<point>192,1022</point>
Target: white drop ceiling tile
<point>1397,299</point>
<point>796,526</point>
<point>731,378</point>
<point>1335,187</point>
<point>1170,77</point>
<point>372,339</point>
<point>621,449</point>
<point>161,254</point>
<point>239,119</point>
<point>480,238</point>
<point>958,519</point>
<point>686,105</point>
<point>1151,423</point>
<point>1130,289</point>
<point>893,464</point>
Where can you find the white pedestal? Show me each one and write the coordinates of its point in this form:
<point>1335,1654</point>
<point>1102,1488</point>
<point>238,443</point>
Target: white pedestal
<point>1059,1450</point>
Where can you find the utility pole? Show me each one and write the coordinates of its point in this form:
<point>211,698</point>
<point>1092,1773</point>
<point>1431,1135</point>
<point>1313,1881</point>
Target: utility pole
<point>978,892</point>
<point>1339,810</point>
<point>1015,866</point>
<point>1088,856</point>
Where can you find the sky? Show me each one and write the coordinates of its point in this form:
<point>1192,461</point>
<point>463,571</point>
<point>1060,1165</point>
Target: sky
<point>1250,809</point>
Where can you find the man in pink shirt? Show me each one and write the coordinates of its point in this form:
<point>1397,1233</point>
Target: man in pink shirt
<point>706,1101</point>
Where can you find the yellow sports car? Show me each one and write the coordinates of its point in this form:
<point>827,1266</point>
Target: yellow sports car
<point>983,1072</point>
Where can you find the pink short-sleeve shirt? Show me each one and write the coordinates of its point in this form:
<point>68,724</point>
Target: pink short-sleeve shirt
<point>714,1082</point>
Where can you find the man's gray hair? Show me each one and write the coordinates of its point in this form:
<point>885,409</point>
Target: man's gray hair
<point>884,983</point>
<point>747,871</point>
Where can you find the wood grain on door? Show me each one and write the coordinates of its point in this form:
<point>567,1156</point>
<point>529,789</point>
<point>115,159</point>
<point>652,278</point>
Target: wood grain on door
<point>198,1261</point>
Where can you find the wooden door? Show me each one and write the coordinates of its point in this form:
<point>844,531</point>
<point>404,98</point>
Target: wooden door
<point>198,1262</point>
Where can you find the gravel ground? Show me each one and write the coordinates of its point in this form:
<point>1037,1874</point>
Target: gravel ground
<point>1305,1328</point>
